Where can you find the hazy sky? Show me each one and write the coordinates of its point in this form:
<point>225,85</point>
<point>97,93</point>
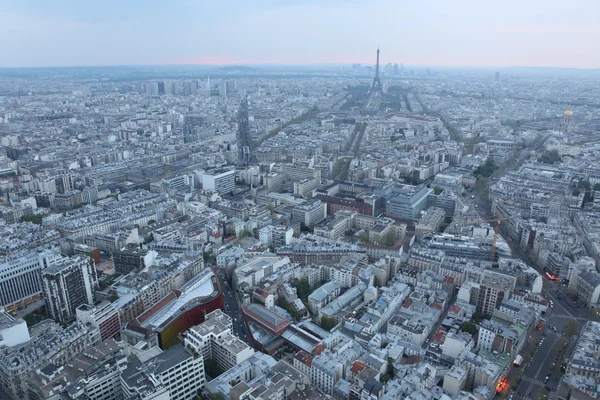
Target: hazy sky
<point>555,33</point>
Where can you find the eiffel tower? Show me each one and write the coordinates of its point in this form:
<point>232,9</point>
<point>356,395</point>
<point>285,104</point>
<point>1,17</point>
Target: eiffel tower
<point>376,86</point>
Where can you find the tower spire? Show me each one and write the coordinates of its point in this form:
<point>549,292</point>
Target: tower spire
<point>376,86</point>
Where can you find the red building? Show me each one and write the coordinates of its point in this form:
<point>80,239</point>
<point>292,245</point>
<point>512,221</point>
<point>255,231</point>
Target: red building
<point>177,312</point>
<point>265,319</point>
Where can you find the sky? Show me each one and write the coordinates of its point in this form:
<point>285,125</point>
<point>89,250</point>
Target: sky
<point>473,33</point>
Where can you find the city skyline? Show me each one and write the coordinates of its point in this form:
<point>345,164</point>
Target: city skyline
<point>270,32</point>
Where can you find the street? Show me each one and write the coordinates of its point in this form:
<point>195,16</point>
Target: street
<point>232,307</point>
<point>563,308</point>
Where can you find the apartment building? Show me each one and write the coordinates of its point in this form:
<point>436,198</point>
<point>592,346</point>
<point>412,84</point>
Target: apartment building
<point>103,316</point>
<point>68,284</point>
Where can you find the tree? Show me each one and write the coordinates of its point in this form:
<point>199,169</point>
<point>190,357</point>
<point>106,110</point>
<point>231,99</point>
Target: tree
<point>271,208</point>
<point>437,190</point>
<point>597,186</point>
<point>571,328</point>
<point>363,237</point>
<point>302,288</point>
<point>244,234</point>
<point>151,222</point>
<point>35,218</point>
<point>328,323</point>
<point>389,239</point>
<point>469,327</point>
<point>376,282</point>
<point>486,169</point>
<point>550,157</point>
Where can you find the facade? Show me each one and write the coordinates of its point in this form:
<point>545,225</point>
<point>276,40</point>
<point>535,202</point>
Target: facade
<point>310,214</point>
<point>103,316</point>
<point>20,278</point>
<point>325,371</point>
<point>586,285</point>
<point>221,181</point>
<point>69,284</point>
<point>129,259</point>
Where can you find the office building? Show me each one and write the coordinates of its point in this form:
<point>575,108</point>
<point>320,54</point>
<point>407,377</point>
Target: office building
<point>174,374</point>
<point>132,258</point>
<point>20,278</point>
<point>310,213</point>
<point>221,181</point>
<point>67,285</point>
<point>406,201</point>
<point>214,339</point>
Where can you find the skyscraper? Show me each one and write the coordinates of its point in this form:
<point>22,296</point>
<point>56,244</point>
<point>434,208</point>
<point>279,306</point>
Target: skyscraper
<point>244,141</point>
<point>69,284</point>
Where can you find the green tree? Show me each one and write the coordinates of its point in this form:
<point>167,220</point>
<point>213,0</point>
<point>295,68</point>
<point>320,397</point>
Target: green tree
<point>244,234</point>
<point>363,237</point>
<point>469,327</point>
<point>151,222</point>
<point>35,218</point>
<point>486,169</point>
<point>571,328</point>
<point>389,239</point>
<point>328,323</point>
<point>550,157</point>
<point>271,208</point>
<point>376,282</point>
<point>302,288</point>
<point>437,190</point>
<point>597,186</point>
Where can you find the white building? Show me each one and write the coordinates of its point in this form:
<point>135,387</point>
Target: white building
<point>323,296</point>
<point>12,331</point>
<point>20,282</point>
<point>310,213</point>
<point>221,181</point>
<point>455,380</point>
<point>325,371</point>
<point>214,340</point>
<point>175,374</point>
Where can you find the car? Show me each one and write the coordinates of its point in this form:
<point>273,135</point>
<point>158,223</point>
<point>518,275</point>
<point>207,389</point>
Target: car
<point>546,380</point>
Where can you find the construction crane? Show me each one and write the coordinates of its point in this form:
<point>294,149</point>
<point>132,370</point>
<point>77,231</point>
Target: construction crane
<point>496,231</point>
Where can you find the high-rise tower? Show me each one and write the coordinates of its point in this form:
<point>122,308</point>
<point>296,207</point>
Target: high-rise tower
<point>376,86</point>
<point>244,142</point>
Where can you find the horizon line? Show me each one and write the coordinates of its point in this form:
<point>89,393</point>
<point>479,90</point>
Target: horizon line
<point>329,64</point>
